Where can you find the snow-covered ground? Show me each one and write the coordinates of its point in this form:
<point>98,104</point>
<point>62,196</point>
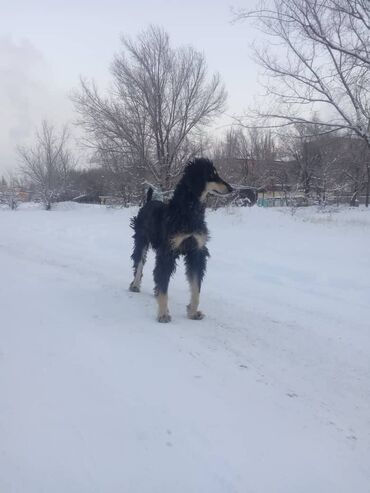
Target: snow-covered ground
<point>269,394</point>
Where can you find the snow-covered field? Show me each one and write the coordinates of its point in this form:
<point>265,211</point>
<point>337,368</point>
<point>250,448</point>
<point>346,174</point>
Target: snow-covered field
<point>269,394</point>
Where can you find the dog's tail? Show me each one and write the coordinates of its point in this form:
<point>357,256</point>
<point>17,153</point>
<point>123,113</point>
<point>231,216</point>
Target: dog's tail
<point>133,222</point>
<point>149,194</point>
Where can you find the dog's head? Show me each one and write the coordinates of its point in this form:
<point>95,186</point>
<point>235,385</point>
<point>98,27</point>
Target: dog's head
<point>202,177</point>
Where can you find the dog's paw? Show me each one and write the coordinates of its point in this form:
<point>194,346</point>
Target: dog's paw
<point>134,288</point>
<point>197,315</point>
<point>164,319</point>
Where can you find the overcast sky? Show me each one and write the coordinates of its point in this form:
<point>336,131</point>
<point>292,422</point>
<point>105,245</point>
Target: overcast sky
<point>45,46</point>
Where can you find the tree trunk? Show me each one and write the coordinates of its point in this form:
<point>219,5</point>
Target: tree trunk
<point>367,185</point>
<point>353,201</point>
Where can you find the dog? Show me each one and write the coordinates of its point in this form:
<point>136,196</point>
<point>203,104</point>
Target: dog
<point>174,229</point>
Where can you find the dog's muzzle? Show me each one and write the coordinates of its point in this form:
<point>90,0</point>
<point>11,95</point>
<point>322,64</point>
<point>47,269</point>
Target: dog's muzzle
<point>226,188</point>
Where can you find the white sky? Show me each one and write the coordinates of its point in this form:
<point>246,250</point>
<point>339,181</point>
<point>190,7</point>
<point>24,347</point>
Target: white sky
<point>46,45</point>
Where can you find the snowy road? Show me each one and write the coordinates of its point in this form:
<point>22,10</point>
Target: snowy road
<point>270,393</point>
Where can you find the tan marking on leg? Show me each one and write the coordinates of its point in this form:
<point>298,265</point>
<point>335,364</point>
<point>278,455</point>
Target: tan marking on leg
<point>192,308</point>
<point>194,299</point>
<point>163,313</point>
<point>136,283</point>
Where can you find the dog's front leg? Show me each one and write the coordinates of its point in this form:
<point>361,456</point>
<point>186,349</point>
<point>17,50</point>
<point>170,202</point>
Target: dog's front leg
<point>196,262</point>
<point>139,257</point>
<point>164,267</point>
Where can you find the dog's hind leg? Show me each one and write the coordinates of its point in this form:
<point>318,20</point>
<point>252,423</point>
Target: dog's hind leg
<point>138,256</point>
<point>196,263</point>
<point>164,267</point>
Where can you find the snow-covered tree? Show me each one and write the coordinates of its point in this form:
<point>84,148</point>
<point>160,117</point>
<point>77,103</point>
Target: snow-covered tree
<point>48,163</point>
<point>151,122</point>
<point>319,60</point>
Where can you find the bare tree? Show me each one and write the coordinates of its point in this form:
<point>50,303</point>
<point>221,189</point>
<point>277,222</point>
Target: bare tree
<point>352,157</point>
<point>9,191</point>
<point>314,159</point>
<point>231,152</point>
<point>321,61</point>
<point>153,117</point>
<point>244,156</point>
<point>48,164</point>
<point>303,146</point>
<point>12,193</point>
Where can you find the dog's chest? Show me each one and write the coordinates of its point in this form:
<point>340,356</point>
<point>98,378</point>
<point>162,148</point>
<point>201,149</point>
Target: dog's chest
<point>182,240</point>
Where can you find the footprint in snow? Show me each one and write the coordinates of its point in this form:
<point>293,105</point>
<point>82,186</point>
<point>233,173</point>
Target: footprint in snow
<point>291,394</point>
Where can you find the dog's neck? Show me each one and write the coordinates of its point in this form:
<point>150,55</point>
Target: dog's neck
<point>186,209</point>
<point>185,196</point>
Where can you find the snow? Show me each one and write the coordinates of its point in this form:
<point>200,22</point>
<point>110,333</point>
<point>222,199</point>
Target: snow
<point>269,393</point>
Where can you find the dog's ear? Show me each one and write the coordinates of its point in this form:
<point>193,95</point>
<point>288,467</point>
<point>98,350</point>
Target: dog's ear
<point>149,194</point>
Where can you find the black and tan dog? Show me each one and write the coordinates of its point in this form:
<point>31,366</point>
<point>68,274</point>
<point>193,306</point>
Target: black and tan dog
<point>174,229</point>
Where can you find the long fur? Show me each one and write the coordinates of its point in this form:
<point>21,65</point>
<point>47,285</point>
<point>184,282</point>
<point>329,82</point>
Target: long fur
<point>177,228</point>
